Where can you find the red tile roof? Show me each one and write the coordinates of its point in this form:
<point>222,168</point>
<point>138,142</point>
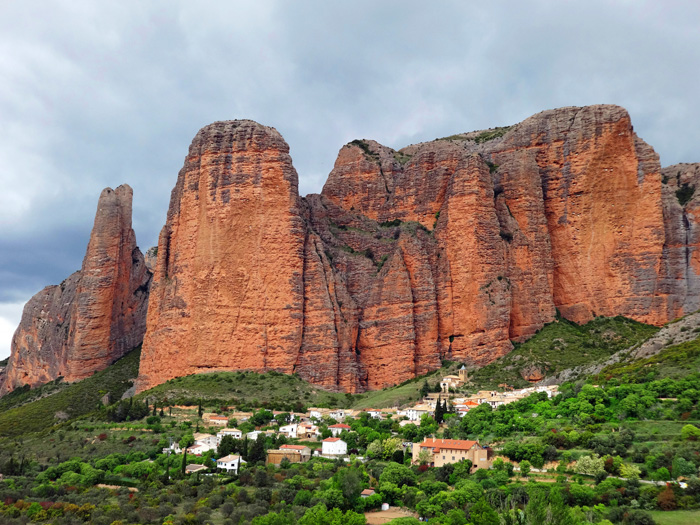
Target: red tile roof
<point>331,440</point>
<point>452,444</point>
<point>367,492</point>
<point>340,425</point>
<point>293,447</point>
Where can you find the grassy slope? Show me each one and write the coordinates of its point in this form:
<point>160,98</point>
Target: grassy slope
<point>676,517</point>
<point>406,392</point>
<point>74,400</point>
<point>562,345</point>
<point>675,362</point>
<point>241,388</point>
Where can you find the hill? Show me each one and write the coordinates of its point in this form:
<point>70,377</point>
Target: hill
<point>36,410</point>
<point>559,346</point>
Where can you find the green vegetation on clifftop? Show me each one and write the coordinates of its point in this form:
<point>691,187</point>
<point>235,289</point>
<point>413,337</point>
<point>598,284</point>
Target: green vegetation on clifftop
<point>561,345</point>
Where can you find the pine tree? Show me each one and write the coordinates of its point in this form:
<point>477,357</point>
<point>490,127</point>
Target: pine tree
<point>424,389</point>
<point>438,412</point>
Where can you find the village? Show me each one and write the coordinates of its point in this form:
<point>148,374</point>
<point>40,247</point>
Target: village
<point>319,432</point>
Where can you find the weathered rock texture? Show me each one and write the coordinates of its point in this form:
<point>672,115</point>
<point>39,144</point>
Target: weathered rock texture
<point>93,317</point>
<point>443,250</point>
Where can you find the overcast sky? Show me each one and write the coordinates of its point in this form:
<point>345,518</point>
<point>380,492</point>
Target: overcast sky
<point>96,94</point>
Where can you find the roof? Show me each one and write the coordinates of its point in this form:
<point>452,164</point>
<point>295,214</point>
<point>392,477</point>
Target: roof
<point>331,440</point>
<point>452,444</point>
<point>228,430</point>
<point>367,492</point>
<point>293,447</point>
<point>195,468</point>
<point>230,457</point>
<point>340,425</point>
<point>219,417</point>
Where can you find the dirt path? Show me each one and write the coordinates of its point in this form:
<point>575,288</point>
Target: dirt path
<point>385,516</point>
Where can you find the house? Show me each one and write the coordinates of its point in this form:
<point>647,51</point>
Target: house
<point>276,456</point>
<point>174,448</point>
<point>304,452</point>
<point>307,431</point>
<point>193,469</point>
<point>230,463</point>
<point>317,413</point>
<point>233,432</point>
<point>374,413</point>
<point>337,429</point>
<point>221,421</point>
<point>367,493</point>
<point>444,451</point>
<point>290,430</point>
<point>406,422</point>
<point>332,447</point>
<point>450,383</point>
<point>416,412</point>
<point>338,414</point>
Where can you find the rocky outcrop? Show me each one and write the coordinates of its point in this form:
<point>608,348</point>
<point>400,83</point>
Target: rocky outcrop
<point>93,317</point>
<point>228,290</point>
<point>444,250</point>
<point>680,272</point>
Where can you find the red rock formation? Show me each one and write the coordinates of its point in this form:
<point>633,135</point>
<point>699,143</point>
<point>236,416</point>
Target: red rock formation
<point>92,318</point>
<point>228,290</point>
<point>443,250</point>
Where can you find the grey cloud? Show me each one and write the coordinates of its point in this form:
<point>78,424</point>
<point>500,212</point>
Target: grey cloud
<point>100,94</point>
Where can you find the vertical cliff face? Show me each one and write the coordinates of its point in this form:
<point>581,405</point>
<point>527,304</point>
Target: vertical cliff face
<point>95,316</point>
<point>680,273</point>
<point>444,250</point>
<point>228,287</point>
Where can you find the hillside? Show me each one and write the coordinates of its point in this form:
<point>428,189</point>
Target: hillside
<point>20,415</point>
<point>560,346</point>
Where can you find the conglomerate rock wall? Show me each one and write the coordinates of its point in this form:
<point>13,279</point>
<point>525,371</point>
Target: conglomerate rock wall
<point>95,316</point>
<point>443,250</point>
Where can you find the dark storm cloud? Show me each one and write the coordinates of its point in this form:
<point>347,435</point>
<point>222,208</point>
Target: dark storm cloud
<point>97,94</point>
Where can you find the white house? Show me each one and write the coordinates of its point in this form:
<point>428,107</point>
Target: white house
<point>374,413</point>
<point>334,447</point>
<point>290,430</point>
<point>202,444</point>
<point>315,413</point>
<point>337,429</point>
<point>338,414</point>
<point>233,432</point>
<point>174,448</point>
<point>416,412</point>
<point>230,463</point>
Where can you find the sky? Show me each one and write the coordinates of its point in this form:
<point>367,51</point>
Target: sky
<point>97,94</point>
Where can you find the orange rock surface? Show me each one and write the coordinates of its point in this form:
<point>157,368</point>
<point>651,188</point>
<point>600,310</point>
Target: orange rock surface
<point>93,317</point>
<point>228,290</point>
<point>444,250</point>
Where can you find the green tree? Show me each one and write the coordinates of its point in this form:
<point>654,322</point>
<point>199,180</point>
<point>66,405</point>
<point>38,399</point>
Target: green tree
<point>483,514</point>
<point>186,441</point>
<point>397,474</point>
<point>257,450</point>
<point>590,465</point>
<point>349,481</point>
<point>525,468</point>
<point>690,433</point>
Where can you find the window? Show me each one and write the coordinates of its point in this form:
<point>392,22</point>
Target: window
<point>453,458</point>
